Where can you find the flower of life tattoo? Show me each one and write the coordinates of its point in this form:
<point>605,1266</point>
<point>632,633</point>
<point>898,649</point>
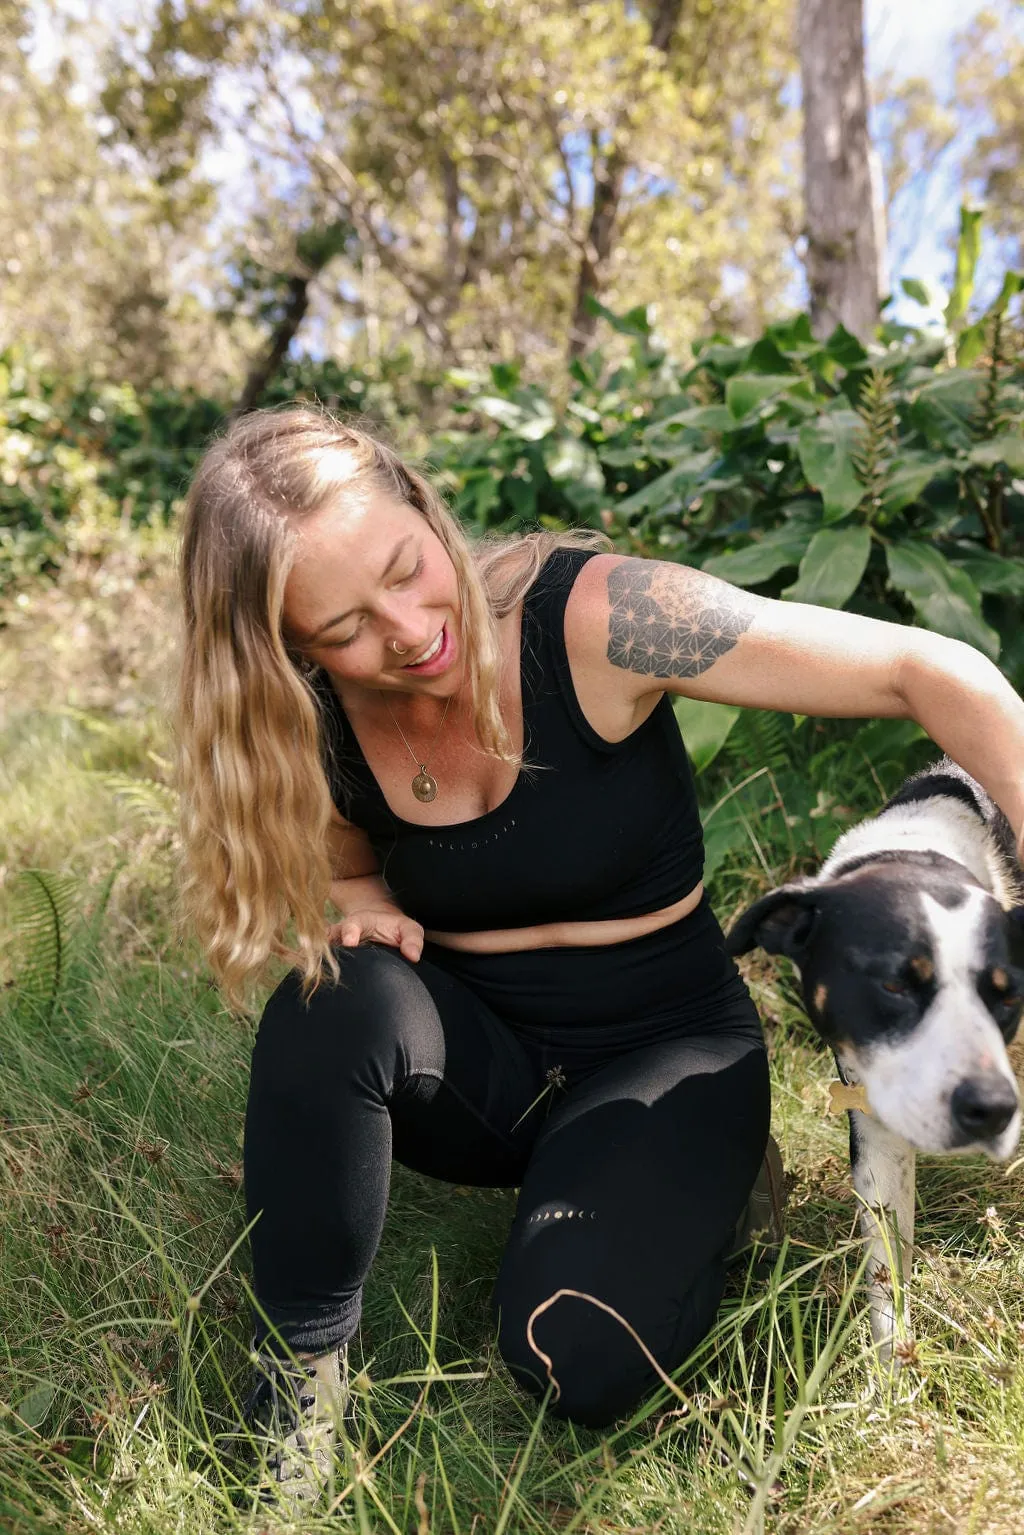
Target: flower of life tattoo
<point>671,623</point>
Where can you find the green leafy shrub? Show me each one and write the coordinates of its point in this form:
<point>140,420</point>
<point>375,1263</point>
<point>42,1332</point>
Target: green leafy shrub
<point>889,480</point>
<point>80,457</point>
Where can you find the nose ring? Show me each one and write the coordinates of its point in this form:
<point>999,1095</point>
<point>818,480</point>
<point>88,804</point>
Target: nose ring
<point>400,650</point>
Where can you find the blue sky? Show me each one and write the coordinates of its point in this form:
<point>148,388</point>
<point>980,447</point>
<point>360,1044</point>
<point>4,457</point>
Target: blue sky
<point>914,37</point>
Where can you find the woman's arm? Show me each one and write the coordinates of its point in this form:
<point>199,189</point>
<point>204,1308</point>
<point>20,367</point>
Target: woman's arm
<point>368,909</point>
<point>646,626</point>
<point>969,709</point>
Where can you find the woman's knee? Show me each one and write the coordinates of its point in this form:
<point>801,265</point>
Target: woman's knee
<point>589,1353</point>
<point>378,1014</point>
<point>591,1363</point>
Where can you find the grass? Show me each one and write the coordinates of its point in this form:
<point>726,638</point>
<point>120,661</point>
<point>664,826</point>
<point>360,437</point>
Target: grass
<point>124,1267</point>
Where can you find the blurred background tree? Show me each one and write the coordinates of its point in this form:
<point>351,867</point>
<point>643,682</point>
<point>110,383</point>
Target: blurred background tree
<point>95,255</point>
<point>843,209</point>
<point>197,191</point>
<point>491,163</point>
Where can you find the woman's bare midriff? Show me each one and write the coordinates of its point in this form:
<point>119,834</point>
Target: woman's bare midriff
<point>562,935</point>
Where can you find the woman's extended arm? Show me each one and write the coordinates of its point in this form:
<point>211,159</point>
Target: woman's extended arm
<point>969,709</point>
<point>646,626</point>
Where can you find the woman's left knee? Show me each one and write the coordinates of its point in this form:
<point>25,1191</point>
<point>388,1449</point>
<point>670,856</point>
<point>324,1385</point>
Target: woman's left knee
<point>593,1361</point>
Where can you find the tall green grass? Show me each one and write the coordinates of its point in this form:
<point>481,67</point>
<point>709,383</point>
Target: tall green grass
<point>124,1289</point>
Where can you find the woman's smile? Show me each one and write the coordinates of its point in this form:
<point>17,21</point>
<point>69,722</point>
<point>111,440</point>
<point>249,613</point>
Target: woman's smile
<point>437,657</point>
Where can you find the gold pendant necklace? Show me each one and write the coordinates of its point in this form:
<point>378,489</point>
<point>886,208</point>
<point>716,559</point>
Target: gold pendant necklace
<point>423,785</point>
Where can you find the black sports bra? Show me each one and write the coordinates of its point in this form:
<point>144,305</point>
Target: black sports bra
<point>604,829</point>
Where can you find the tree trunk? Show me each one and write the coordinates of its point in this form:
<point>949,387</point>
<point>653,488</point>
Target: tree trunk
<point>263,370</point>
<point>608,183</point>
<point>842,241</point>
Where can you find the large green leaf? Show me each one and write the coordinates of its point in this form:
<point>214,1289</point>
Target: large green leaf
<point>498,408</point>
<point>844,347</point>
<point>705,728</point>
<point>634,323</point>
<point>478,495</point>
<point>650,496</point>
<point>914,288</point>
<point>794,336</point>
<point>885,743</point>
<point>529,415</point>
<point>746,392</point>
<point>568,458</point>
<point>994,573</point>
<point>766,356</point>
<point>722,837</point>
<point>944,407</point>
<point>826,447</point>
<point>831,569</point>
<point>703,418</point>
<point>520,493</point>
<point>538,420</point>
<point>719,356</point>
<point>621,458</point>
<point>944,597</point>
<point>759,561</point>
<point>1008,450</point>
<point>971,342</point>
<point>908,476</point>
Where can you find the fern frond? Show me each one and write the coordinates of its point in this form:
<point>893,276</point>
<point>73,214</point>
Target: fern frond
<point>992,417</point>
<point>155,802</point>
<point>875,451</point>
<point>42,905</point>
<point>760,738</point>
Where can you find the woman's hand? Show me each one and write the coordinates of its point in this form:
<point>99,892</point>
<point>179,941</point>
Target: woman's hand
<point>379,924</point>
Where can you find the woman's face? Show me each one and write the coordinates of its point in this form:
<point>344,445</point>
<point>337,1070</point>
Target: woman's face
<point>366,579</point>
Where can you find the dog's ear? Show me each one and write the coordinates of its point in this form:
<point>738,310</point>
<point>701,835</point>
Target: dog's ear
<point>780,923</point>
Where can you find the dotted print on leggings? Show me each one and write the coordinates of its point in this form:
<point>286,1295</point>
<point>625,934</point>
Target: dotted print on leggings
<point>560,1213</point>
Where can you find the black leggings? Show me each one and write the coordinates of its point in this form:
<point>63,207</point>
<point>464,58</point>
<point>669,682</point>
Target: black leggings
<point>634,1165</point>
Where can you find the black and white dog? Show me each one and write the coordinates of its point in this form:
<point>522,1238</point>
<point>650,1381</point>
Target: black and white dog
<point>910,947</point>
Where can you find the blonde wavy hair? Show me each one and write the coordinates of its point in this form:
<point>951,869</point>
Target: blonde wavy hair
<point>255,803</point>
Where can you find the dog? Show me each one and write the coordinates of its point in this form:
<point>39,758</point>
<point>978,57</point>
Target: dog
<point>909,943</point>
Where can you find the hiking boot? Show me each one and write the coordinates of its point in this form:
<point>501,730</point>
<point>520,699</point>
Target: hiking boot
<point>763,1218</point>
<point>292,1414</point>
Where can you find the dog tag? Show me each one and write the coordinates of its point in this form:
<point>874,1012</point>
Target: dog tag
<point>847,1095</point>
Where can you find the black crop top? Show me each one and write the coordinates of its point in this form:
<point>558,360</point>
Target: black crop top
<point>603,829</point>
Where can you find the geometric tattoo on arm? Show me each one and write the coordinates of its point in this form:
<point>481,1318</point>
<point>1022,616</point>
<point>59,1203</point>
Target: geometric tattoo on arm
<point>670,621</point>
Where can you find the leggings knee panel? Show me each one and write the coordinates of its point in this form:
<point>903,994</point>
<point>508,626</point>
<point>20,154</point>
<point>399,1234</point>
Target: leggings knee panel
<point>379,1015</point>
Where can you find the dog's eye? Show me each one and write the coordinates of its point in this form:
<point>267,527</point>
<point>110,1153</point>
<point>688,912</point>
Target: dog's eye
<point>895,987</point>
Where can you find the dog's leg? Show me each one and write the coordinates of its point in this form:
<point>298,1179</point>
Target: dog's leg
<point>883,1176</point>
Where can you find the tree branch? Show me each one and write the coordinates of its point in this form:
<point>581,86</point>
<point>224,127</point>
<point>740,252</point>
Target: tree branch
<point>609,180</point>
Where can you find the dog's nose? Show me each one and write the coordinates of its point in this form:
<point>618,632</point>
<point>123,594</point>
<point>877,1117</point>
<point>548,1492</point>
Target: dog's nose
<point>983,1106</point>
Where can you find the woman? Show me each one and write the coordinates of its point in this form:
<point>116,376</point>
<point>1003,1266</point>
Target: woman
<point>526,986</point>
